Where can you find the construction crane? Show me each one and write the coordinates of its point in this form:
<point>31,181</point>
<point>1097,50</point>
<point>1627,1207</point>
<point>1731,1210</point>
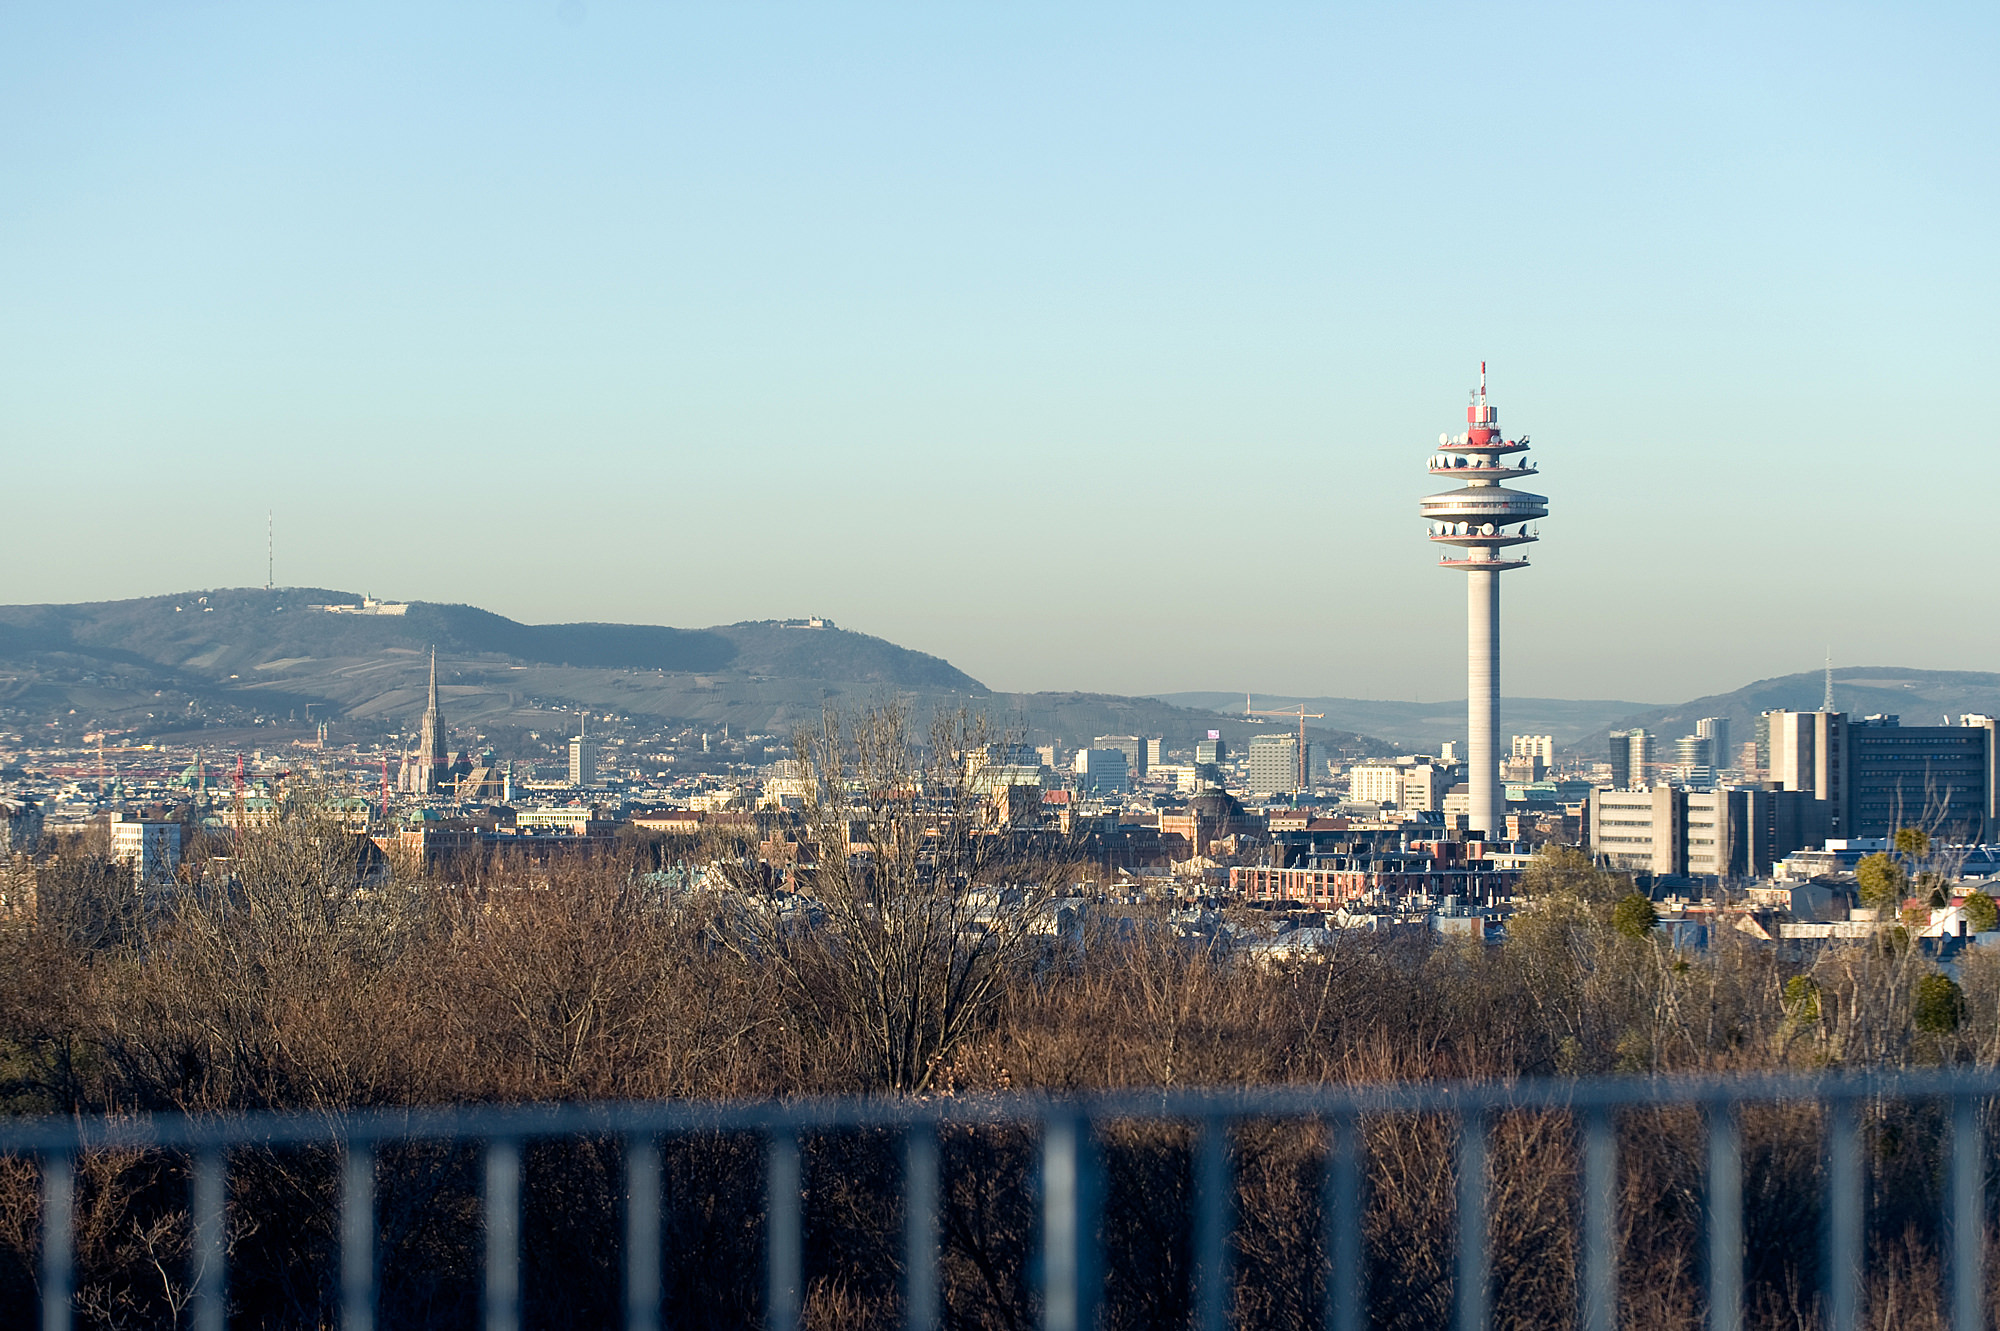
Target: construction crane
<point>1303,784</point>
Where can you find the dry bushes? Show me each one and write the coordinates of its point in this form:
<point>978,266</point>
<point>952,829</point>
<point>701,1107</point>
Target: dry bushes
<point>582,978</point>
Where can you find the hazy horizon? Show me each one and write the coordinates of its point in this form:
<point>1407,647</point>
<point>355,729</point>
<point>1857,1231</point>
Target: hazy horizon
<point>1095,350</point>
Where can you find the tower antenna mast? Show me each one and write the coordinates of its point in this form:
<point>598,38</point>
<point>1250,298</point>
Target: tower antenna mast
<point>1482,518</point>
<point>1826,703</point>
<point>270,550</point>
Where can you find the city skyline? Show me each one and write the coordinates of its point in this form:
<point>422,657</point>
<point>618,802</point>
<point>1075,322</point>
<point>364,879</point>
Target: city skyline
<point>849,306</point>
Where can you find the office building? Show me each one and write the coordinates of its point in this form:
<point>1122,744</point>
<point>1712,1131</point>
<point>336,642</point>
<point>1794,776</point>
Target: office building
<point>1535,746</point>
<point>582,758</point>
<point>1722,834</point>
<point>1694,761</point>
<point>1932,777</point>
<point>1156,752</point>
<point>1134,749</point>
<point>1639,831</point>
<point>1715,729</point>
<point>1482,517</point>
<point>1807,751</point>
<point>1377,782</point>
<point>1414,783</point>
<point>1103,771</point>
<point>1424,787</point>
<point>1632,761</point>
<point>1212,750</point>
<point>1002,755</point>
<point>149,847</point>
<point>1991,725</point>
<point>1274,764</point>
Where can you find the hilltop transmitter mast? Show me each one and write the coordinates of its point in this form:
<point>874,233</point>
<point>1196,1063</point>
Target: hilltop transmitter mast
<point>1483,518</point>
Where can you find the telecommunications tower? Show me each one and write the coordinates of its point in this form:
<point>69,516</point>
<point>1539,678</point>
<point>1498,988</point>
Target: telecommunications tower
<point>1483,518</point>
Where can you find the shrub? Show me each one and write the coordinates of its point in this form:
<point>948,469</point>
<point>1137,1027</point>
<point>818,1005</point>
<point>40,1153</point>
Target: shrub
<point>1881,880</point>
<point>1634,916</point>
<point>1801,998</point>
<point>1940,1005</point>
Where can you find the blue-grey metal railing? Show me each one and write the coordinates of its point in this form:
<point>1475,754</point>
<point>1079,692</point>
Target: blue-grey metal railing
<point>1068,1269</point>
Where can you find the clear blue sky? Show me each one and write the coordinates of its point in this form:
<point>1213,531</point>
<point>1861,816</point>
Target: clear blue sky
<point>1093,346</point>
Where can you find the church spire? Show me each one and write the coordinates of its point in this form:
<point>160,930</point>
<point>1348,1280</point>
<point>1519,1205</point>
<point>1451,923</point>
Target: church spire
<point>435,758</point>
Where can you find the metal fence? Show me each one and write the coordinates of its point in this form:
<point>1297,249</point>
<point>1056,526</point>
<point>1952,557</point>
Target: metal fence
<point>1067,1269</point>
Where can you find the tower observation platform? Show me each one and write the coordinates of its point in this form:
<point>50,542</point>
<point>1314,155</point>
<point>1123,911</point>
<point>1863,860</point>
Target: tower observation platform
<point>1485,520</point>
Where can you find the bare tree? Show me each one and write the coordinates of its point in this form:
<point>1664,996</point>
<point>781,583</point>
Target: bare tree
<point>916,909</point>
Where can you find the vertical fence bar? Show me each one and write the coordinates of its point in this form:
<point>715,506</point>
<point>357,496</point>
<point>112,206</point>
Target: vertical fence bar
<point>1062,1225</point>
<point>1341,1208</point>
<point>1473,1266</point>
<point>783,1244</point>
<point>503,1235</point>
<point>58,1239</point>
<point>642,1234</point>
<point>1600,1221</point>
<point>1845,1212</point>
<point>1725,1219</point>
<point>1968,1216</point>
<point>920,1228</point>
<point>357,1238</point>
<point>1211,1229</point>
<point>208,1204</point>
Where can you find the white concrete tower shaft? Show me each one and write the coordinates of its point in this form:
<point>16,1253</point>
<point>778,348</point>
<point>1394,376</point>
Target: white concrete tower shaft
<point>1482,706</point>
<point>1483,518</point>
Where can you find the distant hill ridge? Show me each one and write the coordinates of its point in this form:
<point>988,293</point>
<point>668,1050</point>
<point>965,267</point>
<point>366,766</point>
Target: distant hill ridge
<point>174,665</point>
<point>223,632</point>
<point>1919,697</point>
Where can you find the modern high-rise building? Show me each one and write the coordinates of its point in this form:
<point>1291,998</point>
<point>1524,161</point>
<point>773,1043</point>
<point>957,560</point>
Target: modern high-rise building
<point>1413,783</point>
<point>1103,771</point>
<point>1273,768</point>
<point>1482,517</point>
<point>1132,746</point>
<point>1631,759</point>
<point>1722,834</point>
<point>1929,777</point>
<point>1620,753</point>
<point>582,759</point>
<point>1715,729</point>
<point>1694,760</point>
<point>1535,746</point>
<point>150,847</point>
<point>1808,751</point>
<point>1211,750</point>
